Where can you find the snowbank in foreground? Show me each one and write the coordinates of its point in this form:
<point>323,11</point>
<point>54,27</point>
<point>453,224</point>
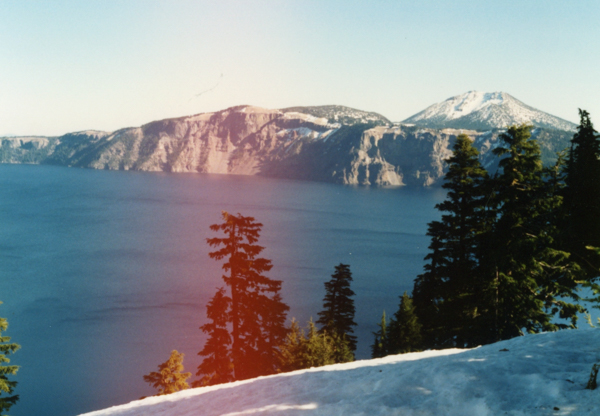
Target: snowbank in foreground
<point>541,374</point>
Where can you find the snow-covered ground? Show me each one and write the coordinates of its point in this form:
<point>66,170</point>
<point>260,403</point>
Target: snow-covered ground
<point>542,374</point>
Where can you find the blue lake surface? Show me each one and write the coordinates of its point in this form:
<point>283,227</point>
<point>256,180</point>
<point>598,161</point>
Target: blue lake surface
<point>103,273</point>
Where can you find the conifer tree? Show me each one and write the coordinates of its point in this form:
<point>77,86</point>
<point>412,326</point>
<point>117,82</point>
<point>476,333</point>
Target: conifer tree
<point>256,312</point>
<point>169,377</point>
<point>518,191</point>
<point>532,276</point>
<point>274,331</point>
<point>379,348</point>
<point>447,295</point>
<point>497,265</point>
<point>337,316</point>
<point>319,348</point>
<point>314,349</point>
<point>582,195</point>
<point>427,294</point>
<point>217,367</point>
<point>404,329</point>
<point>7,386</point>
<point>342,352</point>
<point>291,352</point>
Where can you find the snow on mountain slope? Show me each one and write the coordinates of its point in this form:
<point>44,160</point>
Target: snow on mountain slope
<point>485,111</point>
<point>341,114</point>
<point>323,143</point>
<point>542,374</point>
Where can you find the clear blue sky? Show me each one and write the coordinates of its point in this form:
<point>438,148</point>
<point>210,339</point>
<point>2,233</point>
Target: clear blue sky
<point>74,65</point>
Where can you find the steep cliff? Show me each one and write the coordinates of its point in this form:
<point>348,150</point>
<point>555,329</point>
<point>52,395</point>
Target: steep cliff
<point>329,143</point>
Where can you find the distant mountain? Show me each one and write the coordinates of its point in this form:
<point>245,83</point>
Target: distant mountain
<point>340,114</point>
<point>482,111</point>
<point>326,143</point>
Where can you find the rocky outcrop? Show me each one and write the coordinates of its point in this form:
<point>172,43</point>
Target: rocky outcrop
<point>308,143</point>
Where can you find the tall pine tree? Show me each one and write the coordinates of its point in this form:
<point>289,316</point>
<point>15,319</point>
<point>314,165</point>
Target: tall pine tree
<point>532,276</point>
<point>447,295</point>
<point>337,316</point>
<point>582,195</point>
<point>256,312</point>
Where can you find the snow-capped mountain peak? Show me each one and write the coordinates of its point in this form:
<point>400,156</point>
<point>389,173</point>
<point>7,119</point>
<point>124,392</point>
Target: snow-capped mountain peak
<point>462,105</point>
<point>478,110</point>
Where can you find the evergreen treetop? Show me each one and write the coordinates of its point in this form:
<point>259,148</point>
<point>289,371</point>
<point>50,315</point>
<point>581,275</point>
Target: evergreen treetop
<point>404,330</point>
<point>337,316</point>
<point>496,265</point>
<point>254,310</point>
<point>582,194</point>
<point>292,350</point>
<point>532,275</point>
<point>447,295</point>
<point>379,348</point>
<point>312,349</point>
<point>169,377</point>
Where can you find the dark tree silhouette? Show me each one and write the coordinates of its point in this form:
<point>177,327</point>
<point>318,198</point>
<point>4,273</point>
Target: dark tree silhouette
<point>379,348</point>
<point>404,334</point>
<point>256,312</point>
<point>448,294</point>
<point>217,367</point>
<point>582,194</point>
<point>337,316</point>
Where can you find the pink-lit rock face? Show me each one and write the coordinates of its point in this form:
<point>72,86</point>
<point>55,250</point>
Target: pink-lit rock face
<point>328,143</point>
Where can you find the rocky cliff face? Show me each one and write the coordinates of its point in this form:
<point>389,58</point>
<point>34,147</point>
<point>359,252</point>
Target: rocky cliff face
<point>331,143</point>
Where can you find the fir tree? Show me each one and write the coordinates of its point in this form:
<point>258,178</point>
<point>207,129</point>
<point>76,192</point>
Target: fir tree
<point>274,331</point>
<point>337,317</point>
<point>169,377</point>
<point>560,272</point>
<point>217,367</point>
<point>427,294</point>
<point>319,348</point>
<point>342,351</point>
<point>447,295</point>
<point>256,312</point>
<point>404,329</point>
<point>7,386</point>
<point>379,348</point>
<point>314,349</point>
<point>531,275</point>
<point>291,352</point>
<point>582,195</point>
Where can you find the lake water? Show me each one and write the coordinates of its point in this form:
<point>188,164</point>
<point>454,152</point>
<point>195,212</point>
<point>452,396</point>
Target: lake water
<point>103,273</point>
